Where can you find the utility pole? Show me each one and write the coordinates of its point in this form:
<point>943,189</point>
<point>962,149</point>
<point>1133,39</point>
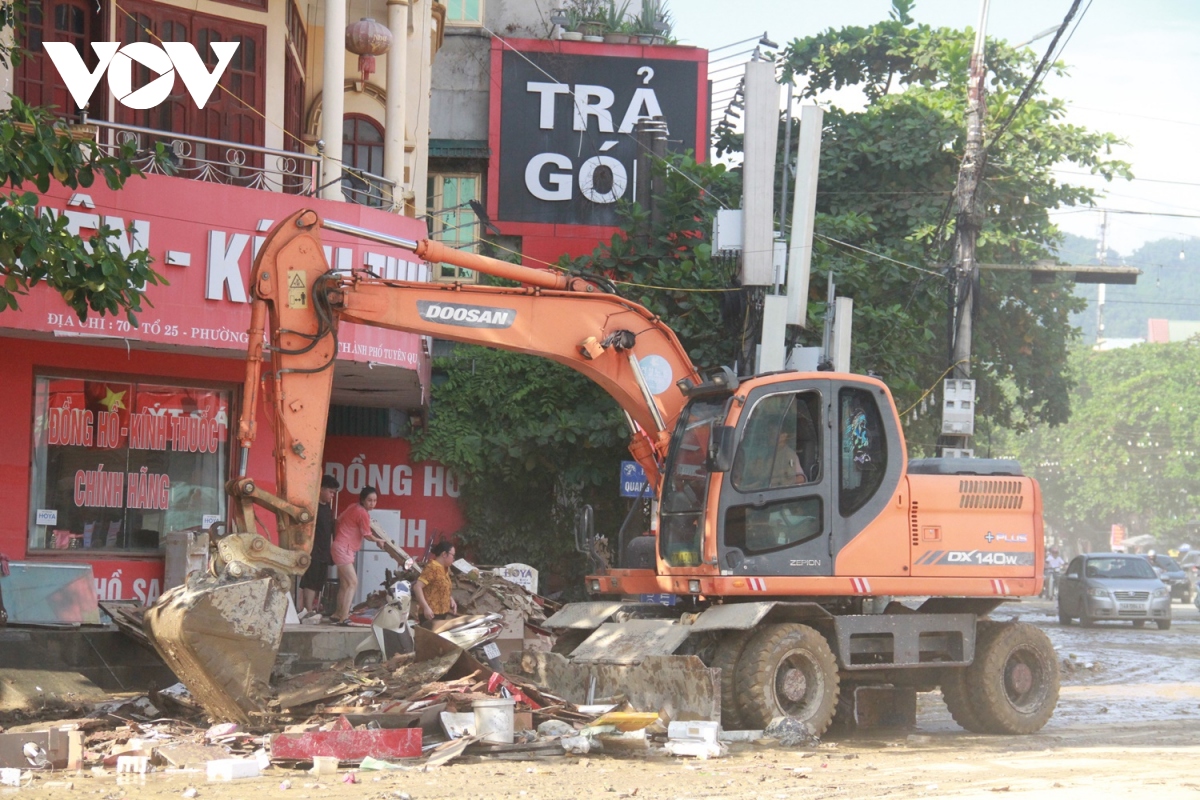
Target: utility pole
<point>967,215</point>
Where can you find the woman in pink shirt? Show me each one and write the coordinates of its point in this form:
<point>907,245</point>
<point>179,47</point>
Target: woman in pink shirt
<point>353,526</point>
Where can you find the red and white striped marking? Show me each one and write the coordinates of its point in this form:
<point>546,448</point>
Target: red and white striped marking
<point>1000,587</point>
<point>757,584</point>
<point>861,585</point>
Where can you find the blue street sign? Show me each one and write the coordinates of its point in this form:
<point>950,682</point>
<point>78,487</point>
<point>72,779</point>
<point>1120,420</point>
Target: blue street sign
<point>633,479</point>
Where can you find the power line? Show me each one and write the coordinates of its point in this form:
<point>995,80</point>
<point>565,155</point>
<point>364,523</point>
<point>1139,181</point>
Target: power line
<point>1125,211</point>
<point>1138,116</point>
<point>1037,76</point>
<point>877,255</point>
<point>1143,180</point>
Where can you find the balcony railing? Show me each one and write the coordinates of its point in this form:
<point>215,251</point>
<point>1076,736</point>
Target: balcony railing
<point>368,189</point>
<point>214,161</point>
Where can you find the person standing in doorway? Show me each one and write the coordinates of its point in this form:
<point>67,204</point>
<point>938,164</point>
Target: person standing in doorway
<point>353,526</point>
<point>314,577</point>
<point>433,587</point>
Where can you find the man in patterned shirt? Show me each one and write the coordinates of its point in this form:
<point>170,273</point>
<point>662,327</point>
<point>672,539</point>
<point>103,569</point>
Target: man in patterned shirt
<point>433,587</point>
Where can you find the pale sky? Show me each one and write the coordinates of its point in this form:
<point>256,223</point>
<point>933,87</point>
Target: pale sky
<point>1133,72</point>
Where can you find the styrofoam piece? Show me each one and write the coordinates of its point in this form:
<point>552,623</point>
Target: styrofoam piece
<point>701,730</point>
<point>10,776</point>
<point>740,736</point>
<point>231,769</point>
<point>136,764</point>
<point>494,719</point>
<point>458,724</point>
<point>695,747</point>
<point>324,765</point>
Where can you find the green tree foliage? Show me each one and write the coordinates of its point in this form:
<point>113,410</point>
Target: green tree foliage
<point>534,440</point>
<point>887,175</point>
<point>1130,453</point>
<point>91,275</point>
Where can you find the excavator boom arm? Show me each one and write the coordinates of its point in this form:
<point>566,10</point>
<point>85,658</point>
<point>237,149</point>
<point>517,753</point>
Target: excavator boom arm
<point>299,304</point>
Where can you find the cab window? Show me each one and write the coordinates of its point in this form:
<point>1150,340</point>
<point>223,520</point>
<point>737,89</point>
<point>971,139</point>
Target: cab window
<point>685,491</point>
<point>773,526</point>
<point>863,459</point>
<point>780,445</point>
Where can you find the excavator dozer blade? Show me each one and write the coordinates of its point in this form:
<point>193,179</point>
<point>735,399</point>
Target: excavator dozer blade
<point>221,637</point>
<point>680,685</point>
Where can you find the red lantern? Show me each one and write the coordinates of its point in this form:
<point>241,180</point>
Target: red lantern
<point>367,39</point>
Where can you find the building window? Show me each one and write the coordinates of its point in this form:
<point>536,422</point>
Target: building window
<point>453,221</point>
<point>230,114</point>
<point>37,80</point>
<point>362,160</point>
<point>464,12</point>
<point>119,463</point>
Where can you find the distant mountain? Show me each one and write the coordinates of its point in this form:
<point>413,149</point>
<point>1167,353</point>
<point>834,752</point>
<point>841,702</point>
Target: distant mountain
<point>1168,288</point>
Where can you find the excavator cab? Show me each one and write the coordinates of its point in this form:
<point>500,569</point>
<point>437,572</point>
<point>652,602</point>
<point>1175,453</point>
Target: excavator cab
<point>775,477</point>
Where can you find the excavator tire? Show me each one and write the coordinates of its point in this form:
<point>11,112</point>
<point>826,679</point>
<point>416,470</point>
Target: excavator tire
<point>958,700</point>
<point>1014,680</point>
<point>788,670</point>
<point>729,651</point>
<point>956,691</point>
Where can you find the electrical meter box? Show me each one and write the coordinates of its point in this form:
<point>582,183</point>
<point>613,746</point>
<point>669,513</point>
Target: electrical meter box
<point>958,407</point>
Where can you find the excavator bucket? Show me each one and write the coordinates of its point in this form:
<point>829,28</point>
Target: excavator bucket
<point>220,636</point>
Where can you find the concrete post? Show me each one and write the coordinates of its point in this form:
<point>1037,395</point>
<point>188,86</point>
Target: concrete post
<point>758,174</point>
<point>333,97</point>
<point>804,210</point>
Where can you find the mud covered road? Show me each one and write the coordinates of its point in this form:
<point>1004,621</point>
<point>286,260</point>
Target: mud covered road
<point>1127,725</point>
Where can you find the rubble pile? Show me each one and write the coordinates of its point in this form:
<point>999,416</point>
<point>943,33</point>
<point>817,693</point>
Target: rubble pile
<point>405,713</point>
<point>412,711</point>
<point>480,592</point>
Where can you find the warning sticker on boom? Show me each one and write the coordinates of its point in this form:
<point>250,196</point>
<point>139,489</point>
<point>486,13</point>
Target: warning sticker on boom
<point>297,291</point>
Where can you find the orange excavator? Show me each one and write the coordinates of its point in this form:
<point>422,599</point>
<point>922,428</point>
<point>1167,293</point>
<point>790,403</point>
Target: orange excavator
<point>796,559</point>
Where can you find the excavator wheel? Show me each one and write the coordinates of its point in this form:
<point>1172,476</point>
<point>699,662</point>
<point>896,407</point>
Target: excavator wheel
<point>1014,680</point>
<point>956,691</point>
<point>729,651</point>
<point>220,637</point>
<point>958,700</point>
<point>788,670</point>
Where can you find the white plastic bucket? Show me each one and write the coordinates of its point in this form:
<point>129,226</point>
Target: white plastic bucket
<point>494,719</point>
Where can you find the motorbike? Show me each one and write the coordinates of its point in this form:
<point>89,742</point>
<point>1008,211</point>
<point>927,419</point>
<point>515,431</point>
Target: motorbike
<point>1050,583</point>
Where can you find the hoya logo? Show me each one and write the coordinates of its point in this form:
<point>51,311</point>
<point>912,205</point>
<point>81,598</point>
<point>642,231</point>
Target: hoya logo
<point>172,57</point>
<point>466,316</point>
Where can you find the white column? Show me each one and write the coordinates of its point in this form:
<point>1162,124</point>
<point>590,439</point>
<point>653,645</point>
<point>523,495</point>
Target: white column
<point>7,39</point>
<point>804,211</point>
<point>758,174</point>
<point>419,121</point>
<point>333,99</point>
<point>397,96</point>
